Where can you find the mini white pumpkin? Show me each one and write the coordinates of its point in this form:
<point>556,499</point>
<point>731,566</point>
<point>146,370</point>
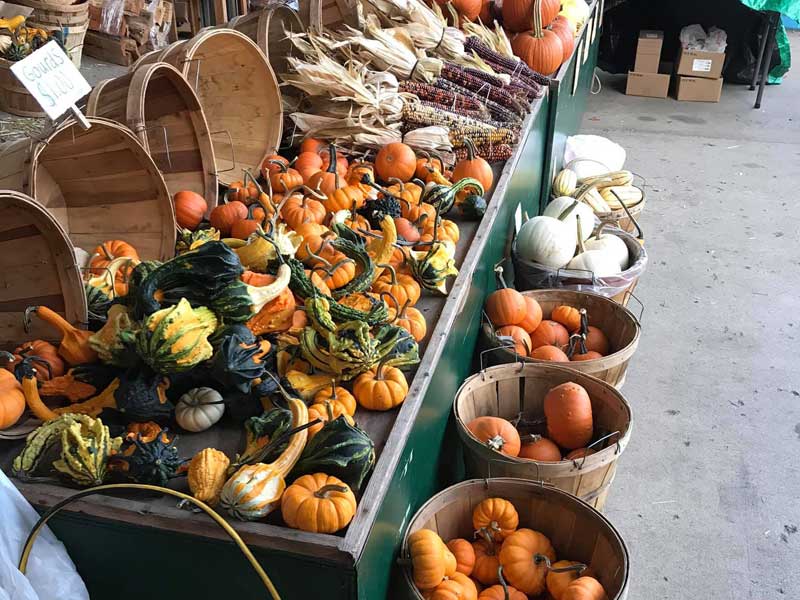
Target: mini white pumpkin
<point>558,206</point>
<point>549,241</point>
<point>611,245</point>
<point>199,409</point>
<point>599,262</point>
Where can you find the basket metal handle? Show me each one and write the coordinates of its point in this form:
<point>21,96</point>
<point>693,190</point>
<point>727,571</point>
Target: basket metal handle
<point>517,358</point>
<point>233,150</point>
<point>602,439</point>
<point>626,297</point>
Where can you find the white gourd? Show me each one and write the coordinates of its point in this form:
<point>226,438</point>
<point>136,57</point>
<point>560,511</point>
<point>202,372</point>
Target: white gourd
<point>199,409</point>
<point>562,203</point>
<point>549,241</point>
<point>611,245</point>
<point>600,263</point>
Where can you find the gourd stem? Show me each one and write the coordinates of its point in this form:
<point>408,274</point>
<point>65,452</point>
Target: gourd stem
<point>394,301</point>
<point>502,579</point>
<point>392,271</point>
<point>498,269</point>
<point>48,316</point>
<point>581,247</point>
<point>487,537</point>
<point>568,211</point>
<point>323,492</point>
<point>538,559</point>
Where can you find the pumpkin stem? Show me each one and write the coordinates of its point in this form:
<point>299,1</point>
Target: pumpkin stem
<point>584,322</point>
<point>316,194</point>
<point>581,247</point>
<point>470,149</point>
<point>323,492</point>
<point>568,211</point>
<point>379,370</point>
<point>48,316</point>
<point>488,538</point>
<point>502,579</point>
<point>498,269</point>
<point>392,272</point>
<point>576,341</point>
<point>398,182</point>
<point>394,301</point>
<point>537,19</point>
<point>333,390</point>
<point>539,559</point>
<point>496,443</point>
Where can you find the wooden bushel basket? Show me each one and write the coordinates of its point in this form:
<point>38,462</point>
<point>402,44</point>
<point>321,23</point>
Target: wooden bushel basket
<point>160,107</point>
<point>99,184</point>
<point>37,267</point>
<point>529,275</point>
<point>576,530</point>
<point>14,98</point>
<point>73,19</point>
<point>509,391</point>
<point>238,92</point>
<point>267,29</point>
<point>619,324</point>
<point>329,14</point>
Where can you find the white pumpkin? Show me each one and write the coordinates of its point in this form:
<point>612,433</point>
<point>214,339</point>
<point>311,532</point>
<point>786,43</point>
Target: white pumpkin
<point>199,409</point>
<point>547,241</point>
<point>557,207</point>
<point>609,244</point>
<point>596,261</point>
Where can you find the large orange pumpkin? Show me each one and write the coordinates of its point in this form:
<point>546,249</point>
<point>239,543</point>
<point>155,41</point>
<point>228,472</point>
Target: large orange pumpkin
<point>468,9</point>
<point>568,410</point>
<point>395,160</point>
<point>190,208</point>
<point>564,30</point>
<point>533,315</point>
<point>539,48</point>
<point>505,306</point>
<point>518,15</point>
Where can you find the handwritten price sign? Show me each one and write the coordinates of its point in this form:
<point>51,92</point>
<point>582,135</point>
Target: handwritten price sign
<point>49,75</point>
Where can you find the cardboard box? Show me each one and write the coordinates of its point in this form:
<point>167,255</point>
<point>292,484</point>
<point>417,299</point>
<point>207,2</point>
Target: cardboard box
<point>648,51</point>
<point>651,85</point>
<point>697,63</point>
<point>698,89</point>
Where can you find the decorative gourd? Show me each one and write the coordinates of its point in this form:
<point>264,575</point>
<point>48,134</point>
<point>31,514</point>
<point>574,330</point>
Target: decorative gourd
<point>472,207</point>
<point>39,443</point>
<point>565,183</point>
<point>395,160</point>
<point>276,315</point>
<point>154,462</point>
<point>225,215</point>
<point>318,503</point>
<point>601,263</point>
<point>498,434</point>
<point>338,396</point>
<point>475,167</point>
<point>45,352</point>
<point>584,588</point>
<point>113,342</point>
<point>506,306</point>
<point>487,561</point>
<point>563,29</point>
<point>518,14</point>
<point>427,552</point>
<point>381,389</point>
<point>559,205</point>
<point>519,338</point>
<point>596,341</point>
<point>496,516</point>
<point>524,557</point>
<point>254,491</point>
<point>464,553</point>
<point>568,411</point>
<point>549,333</point>
<point>539,48</point>
<point>533,315</point>
<point>190,208</point>
<point>431,268</point>
<point>548,240</point>
<point>12,399</point>
<point>610,245</point>
<point>443,197</point>
<point>540,449</point>
<point>557,581</point>
<point>189,240</point>
<point>85,449</point>
<point>550,353</point>
<point>74,346</point>
<point>175,339</point>
<point>403,287</point>
<point>568,316</point>
<point>342,450</point>
<point>199,409</point>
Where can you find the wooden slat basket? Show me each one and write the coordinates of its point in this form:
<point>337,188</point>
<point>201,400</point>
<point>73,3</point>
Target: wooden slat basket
<point>267,28</point>
<point>511,391</point>
<point>329,14</point>
<point>99,184</point>
<point>529,275</point>
<point>14,98</point>
<point>72,19</point>
<point>619,324</point>
<point>576,530</point>
<point>238,92</point>
<point>160,107</point>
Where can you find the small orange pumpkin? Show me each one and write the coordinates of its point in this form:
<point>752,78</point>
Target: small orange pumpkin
<point>464,553</point>
<point>549,333</point>
<point>498,434</point>
<point>540,449</point>
<point>568,316</point>
<point>224,216</point>
<point>520,338</point>
<point>584,588</point>
<point>505,306</point>
<point>382,388</point>
<point>190,208</point>
<point>524,559</point>
<point>475,167</point>
<point>395,160</point>
<point>550,353</point>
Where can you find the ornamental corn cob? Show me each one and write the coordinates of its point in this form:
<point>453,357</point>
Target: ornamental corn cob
<point>482,89</point>
<point>509,65</point>
<point>492,153</point>
<point>481,137</point>
<point>421,115</point>
<point>498,112</point>
<point>479,115</point>
<point>455,100</point>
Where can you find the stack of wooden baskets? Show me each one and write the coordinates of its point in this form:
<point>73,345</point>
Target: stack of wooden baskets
<point>72,18</point>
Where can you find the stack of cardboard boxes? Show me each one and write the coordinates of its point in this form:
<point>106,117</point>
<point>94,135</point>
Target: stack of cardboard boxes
<point>697,73</point>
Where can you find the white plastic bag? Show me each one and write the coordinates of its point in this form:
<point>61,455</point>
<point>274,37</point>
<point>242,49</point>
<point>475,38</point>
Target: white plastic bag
<point>717,40</point>
<point>600,155</point>
<point>693,37</point>
<point>51,574</point>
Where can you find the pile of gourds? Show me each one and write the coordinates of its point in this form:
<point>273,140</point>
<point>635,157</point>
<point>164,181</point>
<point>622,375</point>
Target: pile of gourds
<point>287,310</point>
<point>506,562</point>
<point>562,336</point>
<point>18,40</point>
<point>568,425</point>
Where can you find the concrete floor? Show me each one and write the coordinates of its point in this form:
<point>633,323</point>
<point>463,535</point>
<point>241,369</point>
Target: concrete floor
<point>707,495</point>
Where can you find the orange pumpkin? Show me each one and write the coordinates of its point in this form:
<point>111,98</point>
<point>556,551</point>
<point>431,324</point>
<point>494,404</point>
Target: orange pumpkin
<point>342,164</point>
<point>285,179</point>
<point>596,341</point>
<point>43,350</point>
<point>550,353</point>
<point>540,449</point>
<point>498,592</point>
<point>518,15</point>
<point>568,316</point>
<point>328,181</point>
<point>584,588</point>
<point>580,453</point>
<point>395,160</point>
<point>498,434</point>
<point>410,319</point>
<point>496,516</point>
<point>523,559</point>
<point>338,396</point>
<point>557,582</point>
<point>308,163</point>
<point>540,49</point>
<point>106,252</point>
<point>243,228</point>
<point>588,355</point>
<point>533,315</point>
<point>519,337</point>
<point>325,412</point>
<point>487,12</point>
<point>300,209</point>
<point>224,216</point>
<point>404,288</point>
<point>549,333</point>
<point>272,164</point>
<point>568,410</point>
<point>505,306</point>
<point>312,145</point>
<point>469,589</point>
<point>565,32</point>
<point>349,197</point>
<point>464,553</point>
<point>276,315</point>
<point>382,388</point>
<point>426,163</point>
<point>468,9</point>
<point>473,166</point>
<point>12,399</point>
<point>190,208</point>
<point>406,230</point>
<point>246,194</point>
<point>487,560</point>
<point>446,590</point>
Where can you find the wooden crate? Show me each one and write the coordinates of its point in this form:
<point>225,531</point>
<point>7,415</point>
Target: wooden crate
<point>108,48</point>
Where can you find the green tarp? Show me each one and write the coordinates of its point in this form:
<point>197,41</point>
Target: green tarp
<point>790,8</point>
